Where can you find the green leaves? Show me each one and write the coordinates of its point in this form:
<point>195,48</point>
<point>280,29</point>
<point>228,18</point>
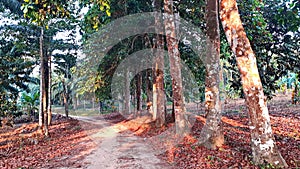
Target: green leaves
<point>99,13</point>
<point>41,12</point>
<point>273,30</point>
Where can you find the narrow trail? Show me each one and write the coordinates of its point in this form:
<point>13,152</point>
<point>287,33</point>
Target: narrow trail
<point>120,150</point>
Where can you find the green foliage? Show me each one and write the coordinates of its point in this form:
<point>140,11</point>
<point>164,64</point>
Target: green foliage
<point>231,92</point>
<point>16,64</point>
<point>197,68</point>
<point>272,27</point>
<point>193,11</point>
<point>266,166</point>
<point>98,14</point>
<point>274,38</point>
<point>8,104</point>
<point>62,81</point>
<point>283,23</point>
<point>19,48</point>
<point>30,101</point>
<point>41,12</point>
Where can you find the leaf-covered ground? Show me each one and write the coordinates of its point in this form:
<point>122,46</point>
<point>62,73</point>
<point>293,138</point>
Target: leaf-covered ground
<point>236,153</point>
<point>24,146</point>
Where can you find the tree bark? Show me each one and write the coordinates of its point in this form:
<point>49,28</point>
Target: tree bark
<point>42,79</point>
<point>75,104</point>
<point>139,93</point>
<point>127,93</point>
<point>149,92</point>
<point>211,135</point>
<point>262,140</point>
<point>93,101</point>
<point>43,114</point>
<point>65,97</point>
<point>181,119</point>
<point>46,89</point>
<point>159,102</point>
<point>49,111</point>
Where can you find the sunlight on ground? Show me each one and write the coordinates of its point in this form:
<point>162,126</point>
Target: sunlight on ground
<point>233,122</point>
<point>109,132</point>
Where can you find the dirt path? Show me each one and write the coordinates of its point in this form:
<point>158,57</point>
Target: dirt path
<point>118,149</point>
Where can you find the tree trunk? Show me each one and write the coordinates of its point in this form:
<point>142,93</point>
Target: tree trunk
<point>149,93</point>
<point>75,102</point>
<point>42,79</point>
<point>100,107</point>
<point>139,93</point>
<point>127,93</point>
<point>46,97</point>
<point>262,140</point>
<point>84,104</point>
<point>159,102</point>
<point>181,119</point>
<point>211,135</point>
<point>65,97</point>
<point>43,115</point>
<point>93,101</point>
<point>49,111</point>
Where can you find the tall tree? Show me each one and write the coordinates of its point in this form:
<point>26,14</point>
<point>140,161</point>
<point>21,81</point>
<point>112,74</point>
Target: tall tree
<point>159,101</point>
<point>127,92</point>
<point>64,63</point>
<point>41,12</point>
<point>139,102</point>
<point>212,133</point>
<point>43,116</point>
<point>262,140</point>
<point>181,119</point>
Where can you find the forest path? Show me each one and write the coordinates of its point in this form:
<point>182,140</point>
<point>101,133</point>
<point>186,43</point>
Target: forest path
<point>119,148</point>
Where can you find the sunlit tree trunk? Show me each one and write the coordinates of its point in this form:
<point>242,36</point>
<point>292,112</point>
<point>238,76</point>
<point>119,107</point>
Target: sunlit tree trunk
<point>46,88</point>
<point>42,80</point>
<point>43,114</point>
<point>159,101</point>
<point>212,133</point>
<point>49,111</point>
<point>262,140</point>
<point>181,119</point>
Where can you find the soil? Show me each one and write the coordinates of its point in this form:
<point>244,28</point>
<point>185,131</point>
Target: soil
<point>117,148</point>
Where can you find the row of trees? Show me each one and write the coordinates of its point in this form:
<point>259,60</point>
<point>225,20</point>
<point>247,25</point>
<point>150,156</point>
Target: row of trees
<point>263,145</point>
<point>271,28</point>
